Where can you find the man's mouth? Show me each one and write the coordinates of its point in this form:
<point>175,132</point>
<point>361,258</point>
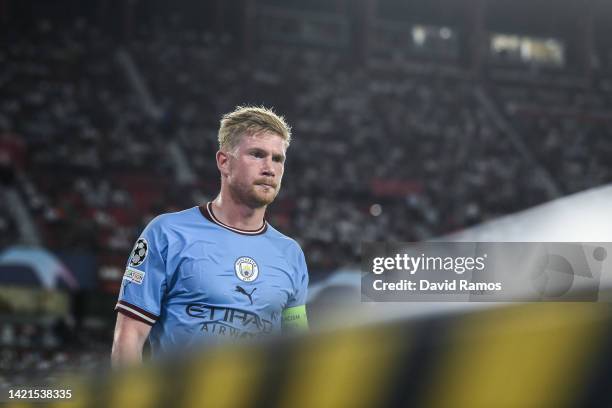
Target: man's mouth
<point>273,186</point>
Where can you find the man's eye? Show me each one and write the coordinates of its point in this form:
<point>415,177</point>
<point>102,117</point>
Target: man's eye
<point>257,154</point>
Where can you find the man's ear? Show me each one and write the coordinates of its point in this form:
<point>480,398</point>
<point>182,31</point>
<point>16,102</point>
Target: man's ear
<point>223,159</point>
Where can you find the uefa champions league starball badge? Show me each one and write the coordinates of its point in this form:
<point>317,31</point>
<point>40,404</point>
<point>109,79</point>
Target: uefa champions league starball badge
<point>246,269</point>
<point>139,253</point>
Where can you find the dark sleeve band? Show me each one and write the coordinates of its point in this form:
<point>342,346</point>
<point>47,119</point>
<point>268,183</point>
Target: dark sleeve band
<point>135,312</point>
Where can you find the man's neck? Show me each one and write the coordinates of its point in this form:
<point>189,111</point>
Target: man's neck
<point>237,215</point>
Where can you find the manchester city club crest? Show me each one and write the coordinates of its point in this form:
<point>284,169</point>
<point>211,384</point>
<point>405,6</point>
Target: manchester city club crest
<point>246,269</point>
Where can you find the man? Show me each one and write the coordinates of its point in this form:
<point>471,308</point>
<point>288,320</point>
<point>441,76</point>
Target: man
<point>219,270</point>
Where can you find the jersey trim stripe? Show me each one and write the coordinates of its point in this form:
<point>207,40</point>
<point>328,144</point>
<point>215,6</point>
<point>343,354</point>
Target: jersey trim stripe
<point>207,212</point>
<point>135,312</point>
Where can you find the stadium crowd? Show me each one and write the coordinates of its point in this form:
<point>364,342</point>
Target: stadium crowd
<point>35,351</point>
<point>567,126</point>
<point>384,150</point>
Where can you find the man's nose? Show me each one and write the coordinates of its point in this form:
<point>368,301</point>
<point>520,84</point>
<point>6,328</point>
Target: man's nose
<point>268,168</point>
<point>268,172</point>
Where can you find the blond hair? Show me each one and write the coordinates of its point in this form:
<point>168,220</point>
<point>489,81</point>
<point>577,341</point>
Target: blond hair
<point>249,120</point>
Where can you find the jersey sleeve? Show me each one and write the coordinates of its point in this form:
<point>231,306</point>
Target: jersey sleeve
<point>294,315</point>
<point>144,281</point>
<point>300,290</point>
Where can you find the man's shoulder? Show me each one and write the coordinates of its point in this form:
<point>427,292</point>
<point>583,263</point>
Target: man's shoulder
<point>283,240</point>
<point>169,220</point>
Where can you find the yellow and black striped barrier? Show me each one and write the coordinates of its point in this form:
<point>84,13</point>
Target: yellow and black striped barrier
<point>535,355</point>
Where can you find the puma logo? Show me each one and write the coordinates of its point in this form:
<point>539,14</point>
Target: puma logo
<point>240,289</point>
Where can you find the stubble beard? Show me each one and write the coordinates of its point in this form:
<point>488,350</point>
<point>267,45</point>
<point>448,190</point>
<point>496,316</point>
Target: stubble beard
<point>249,195</point>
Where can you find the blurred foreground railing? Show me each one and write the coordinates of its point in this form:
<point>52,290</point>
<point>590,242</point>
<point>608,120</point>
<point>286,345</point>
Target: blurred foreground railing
<point>533,355</point>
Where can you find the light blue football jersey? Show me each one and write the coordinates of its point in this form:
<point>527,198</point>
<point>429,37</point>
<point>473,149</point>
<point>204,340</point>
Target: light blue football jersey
<point>193,278</point>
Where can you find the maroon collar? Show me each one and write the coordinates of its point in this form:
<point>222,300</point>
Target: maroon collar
<point>208,213</point>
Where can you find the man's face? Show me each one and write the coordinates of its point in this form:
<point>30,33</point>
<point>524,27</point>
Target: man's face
<point>254,169</point>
